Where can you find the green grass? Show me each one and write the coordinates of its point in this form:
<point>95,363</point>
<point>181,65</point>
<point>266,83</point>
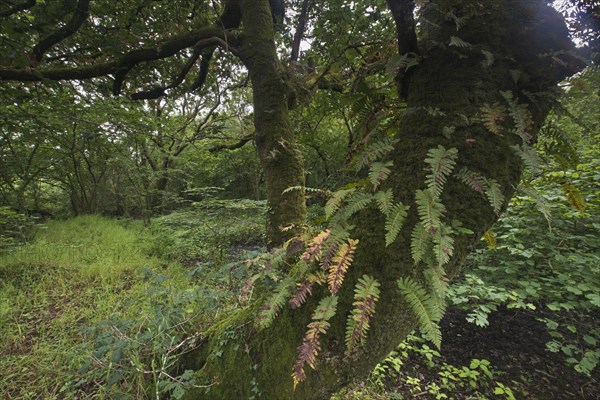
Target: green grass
<point>75,274</point>
<point>91,306</point>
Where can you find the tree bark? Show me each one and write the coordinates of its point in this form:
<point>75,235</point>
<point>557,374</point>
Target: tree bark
<point>274,138</point>
<point>236,361</point>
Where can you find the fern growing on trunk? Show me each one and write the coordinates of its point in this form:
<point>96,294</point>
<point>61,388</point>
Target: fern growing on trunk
<point>366,295</point>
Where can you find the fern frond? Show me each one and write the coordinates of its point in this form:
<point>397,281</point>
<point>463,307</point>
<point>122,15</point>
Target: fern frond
<point>458,42</point>
<point>494,195</point>
<point>438,282</point>
<point>376,151</point>
<point>340,264</point>
<point>315,247</point>
<point>278,258</point>
<point>356,202</point>
<point>423,307</point>
<point>379,171</point>
<point>304,289</point>
<point>472,179</point>
<point>489,187</point>
<point>520,116</point>
<point>529,156</point>
<point>310,347</point>
<point>540,202</point>
<point>443,245</point>
<point>441,162</point>
<point>420,243</point>
<point>334,203</point>
<point>573,196</point>
<point>394,221</point>
<point>489,58</point>
<point>493,116</point>
<point>305,189</point>
<point>366,295</point>
<point>339,235</point>
<point>430,209</point>
<point>385,200</point>
<point>275,303</point>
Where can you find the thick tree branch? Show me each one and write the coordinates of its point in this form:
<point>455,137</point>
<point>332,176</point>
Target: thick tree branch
<point>403,13</point>
<point>233,146</point>
<point>213,36</point>
<point>19,7</point>
<point>300,29</point>
<point>79,16</point>
<point>201,45</point>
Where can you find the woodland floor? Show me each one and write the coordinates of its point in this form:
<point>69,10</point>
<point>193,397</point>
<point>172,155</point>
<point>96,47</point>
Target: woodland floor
<point>515,345</point>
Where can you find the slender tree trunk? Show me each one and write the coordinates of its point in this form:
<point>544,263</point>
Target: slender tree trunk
<point>275,141</point>
<point>238,362</point>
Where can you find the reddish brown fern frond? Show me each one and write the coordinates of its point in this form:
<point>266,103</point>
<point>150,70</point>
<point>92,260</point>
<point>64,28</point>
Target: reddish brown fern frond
<point>304,289</point>
<point>327,258</point>
<point>315,247</point>
<point>340,264</point>
<point>366,295</point>
<point>310,347</point>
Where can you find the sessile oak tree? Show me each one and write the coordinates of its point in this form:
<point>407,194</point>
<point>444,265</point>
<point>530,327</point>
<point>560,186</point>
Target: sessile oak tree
<point>477,79</point>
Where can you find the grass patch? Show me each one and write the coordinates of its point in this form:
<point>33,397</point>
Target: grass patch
<point>93,307</point>
<point>75,274</point>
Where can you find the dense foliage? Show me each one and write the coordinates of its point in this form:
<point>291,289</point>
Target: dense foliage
<point>163,247</point>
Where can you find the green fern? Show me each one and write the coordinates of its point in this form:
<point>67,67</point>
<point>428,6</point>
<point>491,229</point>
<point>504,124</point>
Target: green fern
<point>394,221</point>
<point>493,116</point>
<point>441,162</point>
<point>366,295</point>
<point>520,115</point>
<point>494,194</point>
<point>443,245</point>
<point>430,210</point>
<point>376,151</point>
<point>540,202</point>
<point>488,187</point>
<point>309,190</point>
<point>336,200</point>
<point>529,156</point>
<point>420,243</point>
<point>379,171</point>
<point>424,307</point>
<point>438,282</point>
<point>385,201</point>
<point>356,202</point>
<point>275,303</point>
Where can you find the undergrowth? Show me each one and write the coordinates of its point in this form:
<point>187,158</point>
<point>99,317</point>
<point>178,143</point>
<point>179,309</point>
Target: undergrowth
<point>101,308</point>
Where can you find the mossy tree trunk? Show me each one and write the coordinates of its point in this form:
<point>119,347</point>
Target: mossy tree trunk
<point>447,89</point>
<point>275,142</point>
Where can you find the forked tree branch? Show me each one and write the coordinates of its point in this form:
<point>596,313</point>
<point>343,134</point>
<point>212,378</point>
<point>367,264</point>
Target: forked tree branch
<point>79,16</point>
